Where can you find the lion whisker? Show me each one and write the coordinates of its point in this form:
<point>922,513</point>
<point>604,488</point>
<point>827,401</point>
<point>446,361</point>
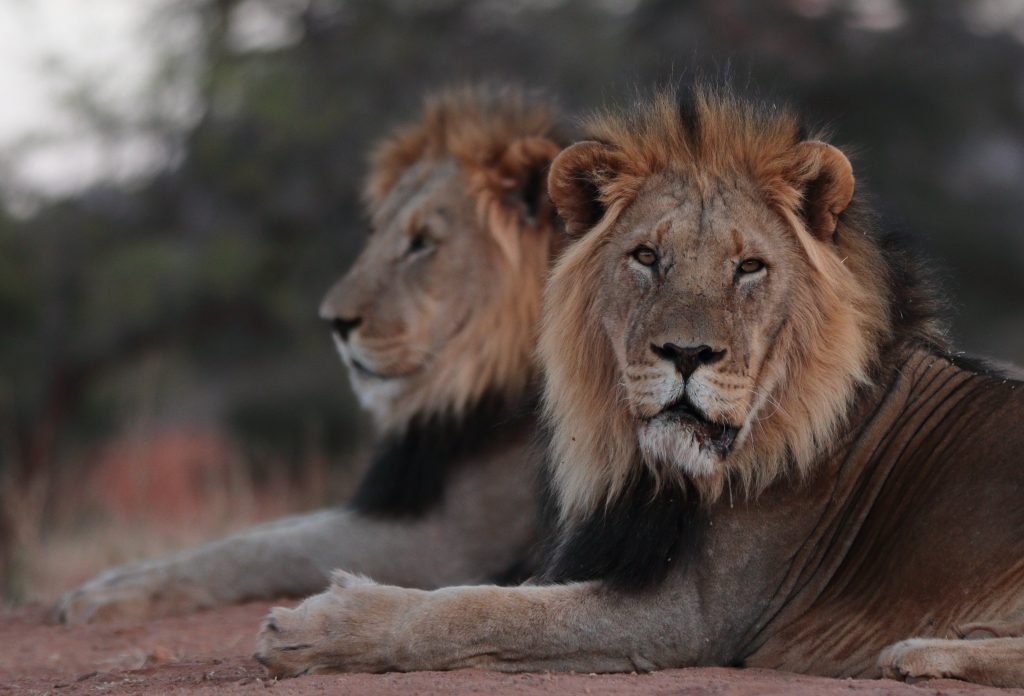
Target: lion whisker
<point>772,400</point>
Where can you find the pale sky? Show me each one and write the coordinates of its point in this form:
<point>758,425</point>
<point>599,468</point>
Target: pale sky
<point>50,46</point>
<point>112,48</point>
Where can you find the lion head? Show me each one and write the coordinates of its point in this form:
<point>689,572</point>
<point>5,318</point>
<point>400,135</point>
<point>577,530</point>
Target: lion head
<point>440,308</point>
<point>721,306</point>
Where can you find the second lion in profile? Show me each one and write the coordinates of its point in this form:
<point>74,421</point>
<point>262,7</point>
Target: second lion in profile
<point>437,323</point>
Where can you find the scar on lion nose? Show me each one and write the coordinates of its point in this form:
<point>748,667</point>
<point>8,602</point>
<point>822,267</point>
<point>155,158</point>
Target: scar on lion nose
<point>343,327</point>
<point>688,359</point>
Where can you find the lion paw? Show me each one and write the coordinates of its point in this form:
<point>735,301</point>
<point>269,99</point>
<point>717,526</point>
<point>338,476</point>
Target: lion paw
<point>286,645</point>
<point>918,658</point>
<point>132,592</point>
<point>347,628</point>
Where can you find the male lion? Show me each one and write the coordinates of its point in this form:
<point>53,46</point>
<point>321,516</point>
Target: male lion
<point>763,452</point>
<point>437,323</point>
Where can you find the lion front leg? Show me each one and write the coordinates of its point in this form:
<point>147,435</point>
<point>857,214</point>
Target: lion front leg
<point>359,626</point>
<point>286,557</point>
<point>132,592</point>
<point>992,661</point>
<point>293,556</point>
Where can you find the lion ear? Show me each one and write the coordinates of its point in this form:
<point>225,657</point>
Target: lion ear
<point>521,172</point>
<point>575,182</point>
<point>825,178</point>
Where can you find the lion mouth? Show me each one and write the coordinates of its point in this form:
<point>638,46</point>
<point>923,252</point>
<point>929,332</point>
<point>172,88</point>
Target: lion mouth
<point>707,433</point>
<point>364,371</point>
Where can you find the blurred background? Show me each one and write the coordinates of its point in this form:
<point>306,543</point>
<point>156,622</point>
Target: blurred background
<point>179,185</point>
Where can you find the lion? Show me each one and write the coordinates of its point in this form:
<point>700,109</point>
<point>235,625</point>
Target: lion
<point>763,450</point>
<point>437,324</point>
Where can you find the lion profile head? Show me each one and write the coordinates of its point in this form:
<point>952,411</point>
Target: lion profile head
<point>441,307</point>
<point>721,305</point>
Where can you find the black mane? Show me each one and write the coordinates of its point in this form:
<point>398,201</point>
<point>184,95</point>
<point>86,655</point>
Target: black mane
<point>632,542</point>
<point>410,470</point>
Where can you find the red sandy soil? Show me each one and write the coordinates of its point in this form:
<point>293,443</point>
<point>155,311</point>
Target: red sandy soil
<point>209,653</point>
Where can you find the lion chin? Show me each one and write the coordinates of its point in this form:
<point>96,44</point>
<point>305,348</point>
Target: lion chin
<point>688,442</point>
<point>375,390</point>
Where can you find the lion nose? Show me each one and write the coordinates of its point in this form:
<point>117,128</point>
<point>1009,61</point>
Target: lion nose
<point>688,359</point>
<point>343,326</point>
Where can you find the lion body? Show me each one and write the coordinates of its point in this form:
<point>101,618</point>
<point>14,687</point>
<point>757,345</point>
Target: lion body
<point>764,452</point>
<point>437,322</point>
<point>919,525</point>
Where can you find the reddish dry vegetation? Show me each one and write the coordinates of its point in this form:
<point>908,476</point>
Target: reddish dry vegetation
<point>145,494</point>
<point>209,652</point>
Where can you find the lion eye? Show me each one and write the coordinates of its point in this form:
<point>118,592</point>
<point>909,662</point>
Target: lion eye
<point>751,265</point>
<point>418,242</point>
<point>645,256</point>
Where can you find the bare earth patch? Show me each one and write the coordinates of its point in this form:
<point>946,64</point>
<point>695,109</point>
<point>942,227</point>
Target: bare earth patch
<point>209,652</point>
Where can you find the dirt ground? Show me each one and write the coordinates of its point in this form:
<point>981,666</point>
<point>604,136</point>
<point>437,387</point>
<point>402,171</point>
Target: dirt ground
<point>209,652</point>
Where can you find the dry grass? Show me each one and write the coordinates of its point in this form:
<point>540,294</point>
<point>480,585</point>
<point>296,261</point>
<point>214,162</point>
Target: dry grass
<point>144,495</point>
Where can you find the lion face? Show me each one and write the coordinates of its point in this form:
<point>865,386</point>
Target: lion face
<point>408,294</point>
<point>715,315</point>
<point>698,276</point>
<point>440,309</point>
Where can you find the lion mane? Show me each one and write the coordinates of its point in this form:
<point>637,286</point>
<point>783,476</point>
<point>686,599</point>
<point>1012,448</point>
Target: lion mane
<point>865,296</point>
<point>494,133</point>
<point>482,389</point>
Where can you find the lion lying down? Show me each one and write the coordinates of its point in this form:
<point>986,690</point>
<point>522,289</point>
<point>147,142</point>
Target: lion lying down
<point>763,451</point>
<point>437,323</point>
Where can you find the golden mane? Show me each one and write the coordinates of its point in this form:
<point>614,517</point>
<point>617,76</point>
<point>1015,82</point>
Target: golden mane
<point>503,140</point>
<point>831,350</point>
<point>472,124</point>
